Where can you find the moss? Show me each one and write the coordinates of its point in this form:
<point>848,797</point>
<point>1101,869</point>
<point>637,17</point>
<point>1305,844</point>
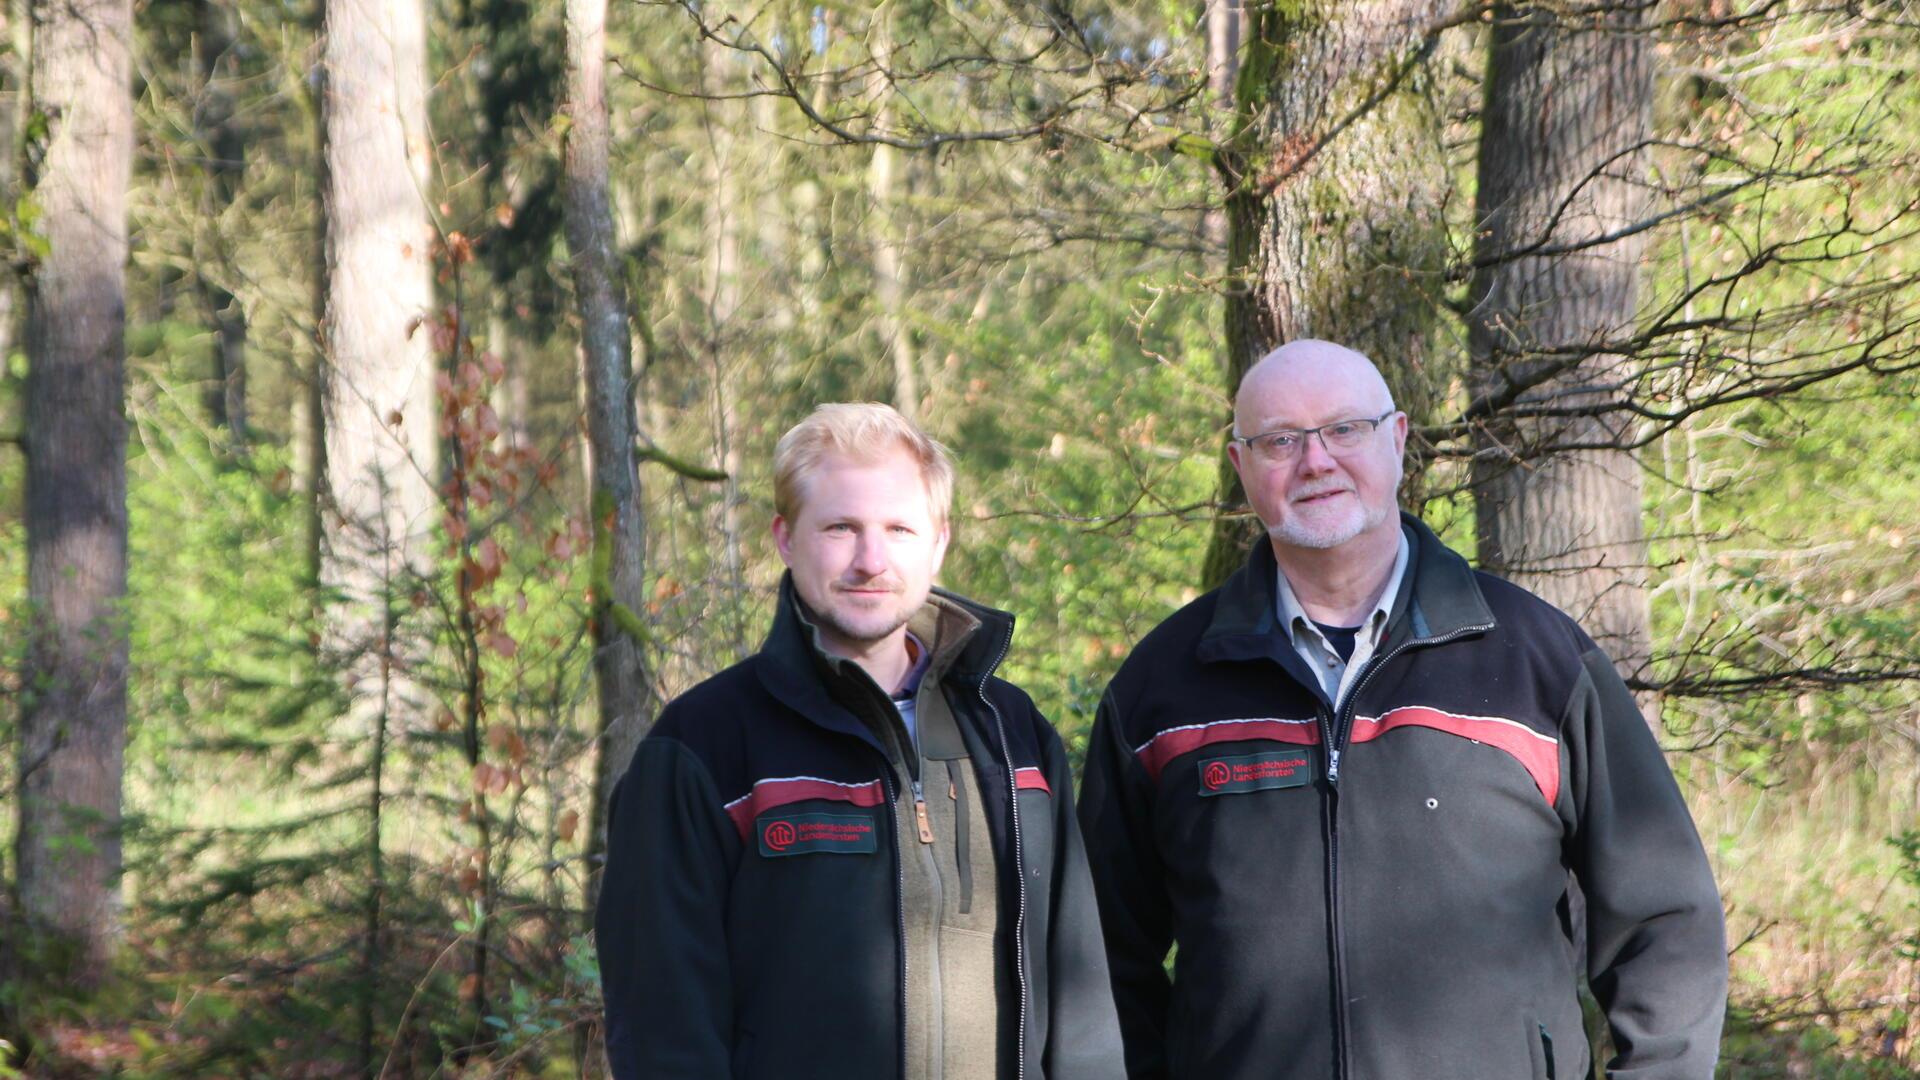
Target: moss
<point>601,581</point>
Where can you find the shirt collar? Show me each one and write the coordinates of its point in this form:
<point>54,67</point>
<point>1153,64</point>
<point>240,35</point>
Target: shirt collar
<point>1294,618</point>
<point>916,670</point>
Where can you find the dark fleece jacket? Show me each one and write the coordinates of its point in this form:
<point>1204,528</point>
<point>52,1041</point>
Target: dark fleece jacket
<point>1404,905</point>
<point>750,918</point>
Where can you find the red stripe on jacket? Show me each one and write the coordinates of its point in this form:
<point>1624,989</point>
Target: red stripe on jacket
<point>1028,778</point>
<point>775,793</point>
<point>1156,752</point>
<point>1538,754</point>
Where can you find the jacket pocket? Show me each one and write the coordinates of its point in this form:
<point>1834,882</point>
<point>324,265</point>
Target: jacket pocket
<point>1540,1050</point>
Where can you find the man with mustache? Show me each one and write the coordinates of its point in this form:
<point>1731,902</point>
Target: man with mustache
<point>854,854</point>
<point>1362,786</point>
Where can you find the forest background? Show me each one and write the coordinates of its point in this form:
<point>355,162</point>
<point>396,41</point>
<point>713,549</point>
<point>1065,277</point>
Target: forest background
<point>390,387</point>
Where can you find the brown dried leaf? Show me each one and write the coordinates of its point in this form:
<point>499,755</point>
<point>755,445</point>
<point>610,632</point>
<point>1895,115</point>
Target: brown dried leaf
<point>489,556</point>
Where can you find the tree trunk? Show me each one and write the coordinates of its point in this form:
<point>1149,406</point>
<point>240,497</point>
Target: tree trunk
<point>619,555</point>
<point>310,411</point>
<point>224,145</point>
<point>378,424</point>
<point>884,216</point>
<point>1335,177</point>
<point>73,723</point>
<point>1562,163</point>
<point>380,416</point>
<point>1223,70</point>
<point>13,77</point>
<point>724,119</point>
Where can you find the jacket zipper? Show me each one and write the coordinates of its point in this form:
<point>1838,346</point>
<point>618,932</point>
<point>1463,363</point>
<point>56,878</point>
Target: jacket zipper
<point>1019,860</point>
<point>899,905</point>
<point>1333,897</point>
<point>1336,732</point>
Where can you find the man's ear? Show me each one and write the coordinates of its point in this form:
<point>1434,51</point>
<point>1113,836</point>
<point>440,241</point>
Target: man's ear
<point>783,539</point>
<point>1233,455</point>
<point>1400,434</point>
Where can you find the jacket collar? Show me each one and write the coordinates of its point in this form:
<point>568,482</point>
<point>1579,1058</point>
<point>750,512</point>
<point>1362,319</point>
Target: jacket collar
<point>1438,598</point>
<point>795,669</point>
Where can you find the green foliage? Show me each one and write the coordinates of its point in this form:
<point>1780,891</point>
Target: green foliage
<point>1064,329</point>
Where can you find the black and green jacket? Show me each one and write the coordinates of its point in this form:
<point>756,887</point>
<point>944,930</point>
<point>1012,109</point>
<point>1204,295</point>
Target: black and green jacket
<point>752,919</point>
<point>1390,890</point>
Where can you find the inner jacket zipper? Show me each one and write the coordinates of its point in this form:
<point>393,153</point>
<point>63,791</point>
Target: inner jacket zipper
<point>1019,859</point>
<point>926,832</point>
<point>1336,733</point>
<point>917,765</point>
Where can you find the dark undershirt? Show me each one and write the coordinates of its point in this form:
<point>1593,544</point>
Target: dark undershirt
<point>1340,637</point>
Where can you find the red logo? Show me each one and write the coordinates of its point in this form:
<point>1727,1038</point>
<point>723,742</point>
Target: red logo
<point>779,835</point>
<point>1216,775</point>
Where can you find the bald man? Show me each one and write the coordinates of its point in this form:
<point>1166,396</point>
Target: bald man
<point>1361,787</point>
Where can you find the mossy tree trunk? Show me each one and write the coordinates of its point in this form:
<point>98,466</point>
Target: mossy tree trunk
<point>619,544</point>
<point>1335,176</point>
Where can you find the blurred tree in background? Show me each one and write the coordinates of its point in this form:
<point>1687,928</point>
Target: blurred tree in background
<point>454,359</point>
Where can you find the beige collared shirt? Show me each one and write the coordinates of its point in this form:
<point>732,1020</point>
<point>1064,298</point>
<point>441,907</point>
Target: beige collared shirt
<point>1336,675</point>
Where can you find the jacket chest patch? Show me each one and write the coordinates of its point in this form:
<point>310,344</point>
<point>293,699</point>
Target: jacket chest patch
<point>1256,772</point>
<point>812,834</point>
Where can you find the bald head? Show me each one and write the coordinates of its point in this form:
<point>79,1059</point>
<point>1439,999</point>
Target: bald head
<point>1305,370</point>
<point>1322,493</point>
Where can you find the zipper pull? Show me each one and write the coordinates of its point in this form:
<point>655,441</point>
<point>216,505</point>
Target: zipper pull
<point>920,815</point>
<point>1333,766</point>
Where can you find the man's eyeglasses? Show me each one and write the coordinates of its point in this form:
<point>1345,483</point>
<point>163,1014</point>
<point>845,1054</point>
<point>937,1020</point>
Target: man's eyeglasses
<point>1275,447</point>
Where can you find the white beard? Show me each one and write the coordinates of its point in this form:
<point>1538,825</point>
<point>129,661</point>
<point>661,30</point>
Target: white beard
<point>1320,534</point>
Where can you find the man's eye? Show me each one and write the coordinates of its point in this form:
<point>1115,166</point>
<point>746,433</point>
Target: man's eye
<point>839,527</point>
<point>1339,431</point>
<point>899,530</point>
<point>1282,440</point>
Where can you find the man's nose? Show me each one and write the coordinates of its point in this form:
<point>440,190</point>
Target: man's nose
<point>1315,458</point>
<point>870,553</point>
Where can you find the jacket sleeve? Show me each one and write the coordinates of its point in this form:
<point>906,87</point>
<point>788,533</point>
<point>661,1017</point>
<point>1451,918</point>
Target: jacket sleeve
<point>1656,939</point>
<point>1083,1034</point>
<point>660,923</point>
<point>1128,883</point>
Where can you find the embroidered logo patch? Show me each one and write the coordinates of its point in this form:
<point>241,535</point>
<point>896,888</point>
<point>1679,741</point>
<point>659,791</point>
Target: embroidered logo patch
<point>1255,772</point>
<point>807,834</point>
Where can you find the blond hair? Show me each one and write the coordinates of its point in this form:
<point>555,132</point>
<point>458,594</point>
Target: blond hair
<point>863,432</point>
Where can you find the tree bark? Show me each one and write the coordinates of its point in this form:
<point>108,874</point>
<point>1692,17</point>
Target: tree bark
<point>1563,162</point>
<point>884,229</point>
<point>73,724</point>
<point>380,416</point>
<point>1223,71</point>
<point>1335,176</point>
<point>619,552</point>
<point>13,78</point>
<point>722,238</point>
<point>224,145</point>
